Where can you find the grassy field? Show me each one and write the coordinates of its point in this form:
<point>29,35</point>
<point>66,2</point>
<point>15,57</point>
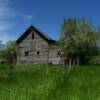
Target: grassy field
<point>43,82</point>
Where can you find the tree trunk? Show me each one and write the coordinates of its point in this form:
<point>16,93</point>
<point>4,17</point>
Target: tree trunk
<point>74,61</point>
<point>70,64</point>
<point>78,62</point>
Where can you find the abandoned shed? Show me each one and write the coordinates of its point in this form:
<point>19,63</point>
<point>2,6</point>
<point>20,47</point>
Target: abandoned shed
<point>35,47</point>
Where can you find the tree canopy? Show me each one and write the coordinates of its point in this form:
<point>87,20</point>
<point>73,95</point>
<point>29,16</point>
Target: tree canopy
<point>79,38</point>
<point>8,52</point>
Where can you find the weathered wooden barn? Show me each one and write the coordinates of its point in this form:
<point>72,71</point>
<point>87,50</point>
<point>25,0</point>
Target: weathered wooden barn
<point>35,47</point>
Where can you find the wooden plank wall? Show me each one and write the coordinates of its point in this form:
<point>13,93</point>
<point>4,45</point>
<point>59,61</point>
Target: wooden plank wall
<point>47,53</point>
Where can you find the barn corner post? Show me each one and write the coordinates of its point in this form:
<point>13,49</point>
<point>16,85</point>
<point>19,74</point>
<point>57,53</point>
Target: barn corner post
<point>17,54</point>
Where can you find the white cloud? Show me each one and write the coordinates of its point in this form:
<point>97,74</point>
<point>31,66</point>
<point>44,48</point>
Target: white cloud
<point>7,14</point>
<point>5,26</point>
<point>27,17</point>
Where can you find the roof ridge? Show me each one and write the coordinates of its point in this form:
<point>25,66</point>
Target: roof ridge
<point>42,34</point>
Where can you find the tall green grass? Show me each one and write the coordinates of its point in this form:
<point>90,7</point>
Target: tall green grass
<point>43,82</point>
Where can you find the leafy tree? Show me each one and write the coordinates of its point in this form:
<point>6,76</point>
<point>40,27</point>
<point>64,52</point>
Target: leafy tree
<point>79,39</point>
<point>9,52</point>
<point>1,45</point>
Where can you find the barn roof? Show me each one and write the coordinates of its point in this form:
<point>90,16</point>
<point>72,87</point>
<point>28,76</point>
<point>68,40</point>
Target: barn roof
<point>33,28</point>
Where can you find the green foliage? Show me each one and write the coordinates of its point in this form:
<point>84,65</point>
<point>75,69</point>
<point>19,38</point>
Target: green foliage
<point>9,52</point>
<point>11,74</point>
<point>95,60</point>
<point>42,82</point>
<point>79,39</point>
<point>1,45</point>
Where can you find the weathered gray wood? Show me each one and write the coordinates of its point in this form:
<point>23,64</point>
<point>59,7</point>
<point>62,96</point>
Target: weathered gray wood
<point>47,53</point>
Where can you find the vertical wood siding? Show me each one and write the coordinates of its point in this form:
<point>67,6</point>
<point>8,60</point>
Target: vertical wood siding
<point>47,53</point>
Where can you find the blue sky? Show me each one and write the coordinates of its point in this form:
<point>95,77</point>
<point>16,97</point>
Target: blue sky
<point>47,15</point>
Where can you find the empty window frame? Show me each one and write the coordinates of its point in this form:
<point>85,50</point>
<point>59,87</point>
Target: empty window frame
<point>32,35</point>
<point>26,53</point>
<point>38,53</point>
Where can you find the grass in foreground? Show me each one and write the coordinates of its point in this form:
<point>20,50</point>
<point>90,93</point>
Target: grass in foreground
<point>43,82</point>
